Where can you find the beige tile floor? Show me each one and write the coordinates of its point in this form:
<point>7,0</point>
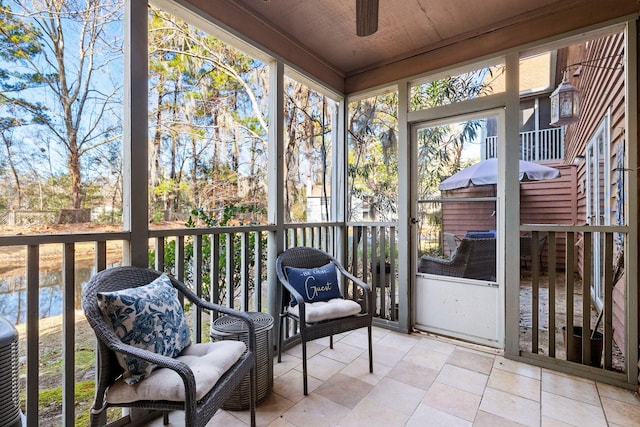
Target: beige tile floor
<point>425,381</point>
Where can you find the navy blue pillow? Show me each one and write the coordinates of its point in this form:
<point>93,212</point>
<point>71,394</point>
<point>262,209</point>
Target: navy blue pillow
<point>314,284</point>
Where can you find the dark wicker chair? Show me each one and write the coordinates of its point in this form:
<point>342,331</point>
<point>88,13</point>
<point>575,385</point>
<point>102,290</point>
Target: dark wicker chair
<point>197,413</point>
<point>526,251</point>
<point>474,259</point>
<point>304,257</point>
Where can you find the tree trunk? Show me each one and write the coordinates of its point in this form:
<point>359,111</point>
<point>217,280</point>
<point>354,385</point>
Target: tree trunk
<point>76,179</point>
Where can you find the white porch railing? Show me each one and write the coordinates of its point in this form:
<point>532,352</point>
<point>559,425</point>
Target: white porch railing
<point>535,146</point>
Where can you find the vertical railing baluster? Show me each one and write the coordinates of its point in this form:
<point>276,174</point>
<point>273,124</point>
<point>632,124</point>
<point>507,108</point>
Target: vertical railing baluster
<point>382,268</point>
<point>568,279</point>
<point>258,270</point>
<point>327,240</point>
<point>587,241</point>
<point>392,271</point>
<point>33,333</point>
<point>244,271</point>
<point>159,248</point>
<point>354,255</point>
<point>100,264</point>
<point>196,277</point>
<point>230,267</point>
<point>214,275</point>
<point>101,255</point>
<point>371,265</point>
<point>179,262</point>
<point>365,261</point>
<point>608,301</point>
<point>551,269</point>
<point>535,292</point>
<point>68,335</point>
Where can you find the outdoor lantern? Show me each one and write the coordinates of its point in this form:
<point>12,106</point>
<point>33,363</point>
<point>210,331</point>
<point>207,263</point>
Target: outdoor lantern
<point>565,104</point>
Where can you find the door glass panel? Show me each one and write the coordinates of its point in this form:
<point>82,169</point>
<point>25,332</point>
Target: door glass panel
<point>456,193</point>
<point>598,180</point>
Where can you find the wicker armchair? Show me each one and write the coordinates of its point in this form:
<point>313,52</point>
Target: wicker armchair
<point>474,259</point>
<point>309,258</point>
<point>198,411</point>
<point>526,251</point>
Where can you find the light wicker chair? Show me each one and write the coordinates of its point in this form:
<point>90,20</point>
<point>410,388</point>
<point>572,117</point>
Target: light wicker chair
<point>197,413</point>
<point>305,257</point>
<point>474,259</point>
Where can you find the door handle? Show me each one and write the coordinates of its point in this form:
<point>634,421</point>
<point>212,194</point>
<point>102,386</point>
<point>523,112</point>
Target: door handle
<point>414,221</point>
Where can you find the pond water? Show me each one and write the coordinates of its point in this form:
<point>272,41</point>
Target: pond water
<point>13,294</point>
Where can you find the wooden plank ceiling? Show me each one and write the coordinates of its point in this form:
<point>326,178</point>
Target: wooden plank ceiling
<point>319,36</point>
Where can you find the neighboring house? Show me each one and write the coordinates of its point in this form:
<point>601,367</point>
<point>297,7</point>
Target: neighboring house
<point>543,202</point>
<point>589,153</point>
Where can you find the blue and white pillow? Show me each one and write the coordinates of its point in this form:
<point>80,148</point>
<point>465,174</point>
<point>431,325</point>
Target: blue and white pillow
<point>314,284</point>
<point>148,317</point>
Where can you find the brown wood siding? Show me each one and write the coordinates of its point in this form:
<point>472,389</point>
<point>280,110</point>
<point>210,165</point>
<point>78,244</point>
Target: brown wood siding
<point>541,202</point>
<point>460,217</point>
<point>551,202</point>
<point>602,92</point>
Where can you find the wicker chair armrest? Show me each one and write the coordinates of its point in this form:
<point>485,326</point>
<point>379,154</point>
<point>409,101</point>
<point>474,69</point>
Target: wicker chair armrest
<point>357,281</point>
<point>441,261</point>
<point>149,356</point>
<point>431,265</point>
<point>294,293</point>
<point>366,289</point>
<point>285,282</point>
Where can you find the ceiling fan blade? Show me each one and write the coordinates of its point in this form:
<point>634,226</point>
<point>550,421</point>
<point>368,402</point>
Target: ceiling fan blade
<point>366,17</point>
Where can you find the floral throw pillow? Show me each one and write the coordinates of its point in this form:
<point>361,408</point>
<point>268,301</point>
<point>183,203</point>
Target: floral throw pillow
<point>148,317</point>
<point>314,284</point>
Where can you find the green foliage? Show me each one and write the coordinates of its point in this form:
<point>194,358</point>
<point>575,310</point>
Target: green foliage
<point>84,393</point>
<point>20,42</point>
<point>372,164</point>
<point>230,215</point>
<point>308,135</point>
<point>373,160</point>
<point>208,126</point>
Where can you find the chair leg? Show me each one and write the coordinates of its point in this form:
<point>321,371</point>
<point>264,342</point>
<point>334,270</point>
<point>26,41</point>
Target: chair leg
<point>304,367</point>
<point>165,417</point>
<point>370,350</point>
<point>253,399</point>
<point>282,321</point>
<point>331,342</point>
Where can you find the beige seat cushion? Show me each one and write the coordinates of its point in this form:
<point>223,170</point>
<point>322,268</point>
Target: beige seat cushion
<point>208,361</point>
<point>325,310</point>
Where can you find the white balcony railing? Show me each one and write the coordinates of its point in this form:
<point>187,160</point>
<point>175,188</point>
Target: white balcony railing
<point>535,146</point>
